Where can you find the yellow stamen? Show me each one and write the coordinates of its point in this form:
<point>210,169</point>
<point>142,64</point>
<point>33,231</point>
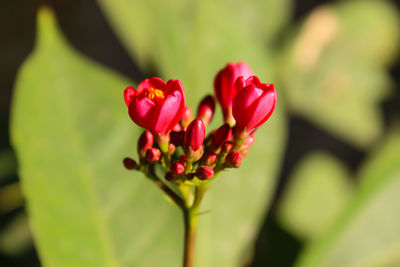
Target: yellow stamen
<point>152,93</point>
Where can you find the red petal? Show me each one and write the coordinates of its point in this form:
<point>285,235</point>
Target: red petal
<point>153,82</point>
<point>129,94</point>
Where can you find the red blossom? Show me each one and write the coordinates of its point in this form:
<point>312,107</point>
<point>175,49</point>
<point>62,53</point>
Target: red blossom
<point>156,105</point>
<point>254,103</point>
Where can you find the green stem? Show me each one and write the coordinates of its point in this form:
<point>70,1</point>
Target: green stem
<point>190,221</point>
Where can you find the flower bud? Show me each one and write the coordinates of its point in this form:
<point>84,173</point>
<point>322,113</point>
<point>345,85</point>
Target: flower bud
<point>221,135</point>
<point>171,148</point>
<point>226,147</point>
<point>153,154</point>
<point>169,176</point>
<point>204,172</point>
<point>177,168</point>
<point>186,118</point>
<point>195,134</point>
<point>224,88</point>
<point>145,142</point>
<point>177,128</point>
<point>210,159</point>
<point>206,109</point>
<point>254,103</point>
<point>130,164</point>
<point>249,140</point>
<point>234,159</point>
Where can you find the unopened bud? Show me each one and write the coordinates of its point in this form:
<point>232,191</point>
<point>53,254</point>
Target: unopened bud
<point>171,148</point>
<point>177,128</point>
<point>130,164</point>
<point>221,135</point>
<point>249,140</point>
<point>186,117</point>
<point>206,109</point>
<point>169,176</point>
<point>226,147</point>
<point>195,134</point>
<point>210,159</point>
<point>177,168</point>
<point>245,152</point>
<point>153,154</point>
<point>204,172</point>
<point>234,159</point>
<point>145,142</point>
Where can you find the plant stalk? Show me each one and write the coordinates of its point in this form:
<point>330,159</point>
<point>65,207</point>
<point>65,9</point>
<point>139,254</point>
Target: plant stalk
<point>190,222</point>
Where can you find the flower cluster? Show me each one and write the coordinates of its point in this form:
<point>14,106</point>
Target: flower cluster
<point>177,140</point>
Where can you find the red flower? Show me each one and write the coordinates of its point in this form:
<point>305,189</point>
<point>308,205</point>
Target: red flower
<point>156,105</point>
<point>195,134</point>
<point>224,85</point>
<point>254,104</point>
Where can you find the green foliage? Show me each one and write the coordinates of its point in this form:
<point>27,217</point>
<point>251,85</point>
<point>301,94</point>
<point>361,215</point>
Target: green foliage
<point>71,130</point>
<point>334,71</point>
<point>192,40</point>
<point>367,233</point>
<point>318,191</point>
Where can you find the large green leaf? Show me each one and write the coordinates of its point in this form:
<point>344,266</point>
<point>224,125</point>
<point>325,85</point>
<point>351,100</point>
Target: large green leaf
<point>335,71</point>
<point>71,129</point>
<point>317,192</point>
<point>194,39</point>
<point>368,232</point>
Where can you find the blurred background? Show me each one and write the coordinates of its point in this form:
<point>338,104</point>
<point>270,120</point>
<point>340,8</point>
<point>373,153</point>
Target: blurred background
<point>336,66</point>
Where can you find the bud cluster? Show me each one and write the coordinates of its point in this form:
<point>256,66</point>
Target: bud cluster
<point>177,140</point>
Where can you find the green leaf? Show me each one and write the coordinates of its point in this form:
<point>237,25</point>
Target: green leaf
<point>70,129</point>
<point>335,71</point>
<point>367,233</point>
<point>192,40</point>
<point>318,191</point>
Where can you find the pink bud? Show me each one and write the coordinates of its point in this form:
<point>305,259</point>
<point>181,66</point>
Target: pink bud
<point>210,159</point>
<point>177,168</point>
<point>177,128</point>
<point>195,134</point>
<point>130,164</point>
<point>169,176</point>
<point>186,118</point>
<point>204,172</point>
<point>234,159</point>
<point>171,149</point>
<point>206,109</point>
<point>153,154</point>
<point>221,135</point>
<point>254,103</point>
<point>145,142</point>
<point>249,140</point>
